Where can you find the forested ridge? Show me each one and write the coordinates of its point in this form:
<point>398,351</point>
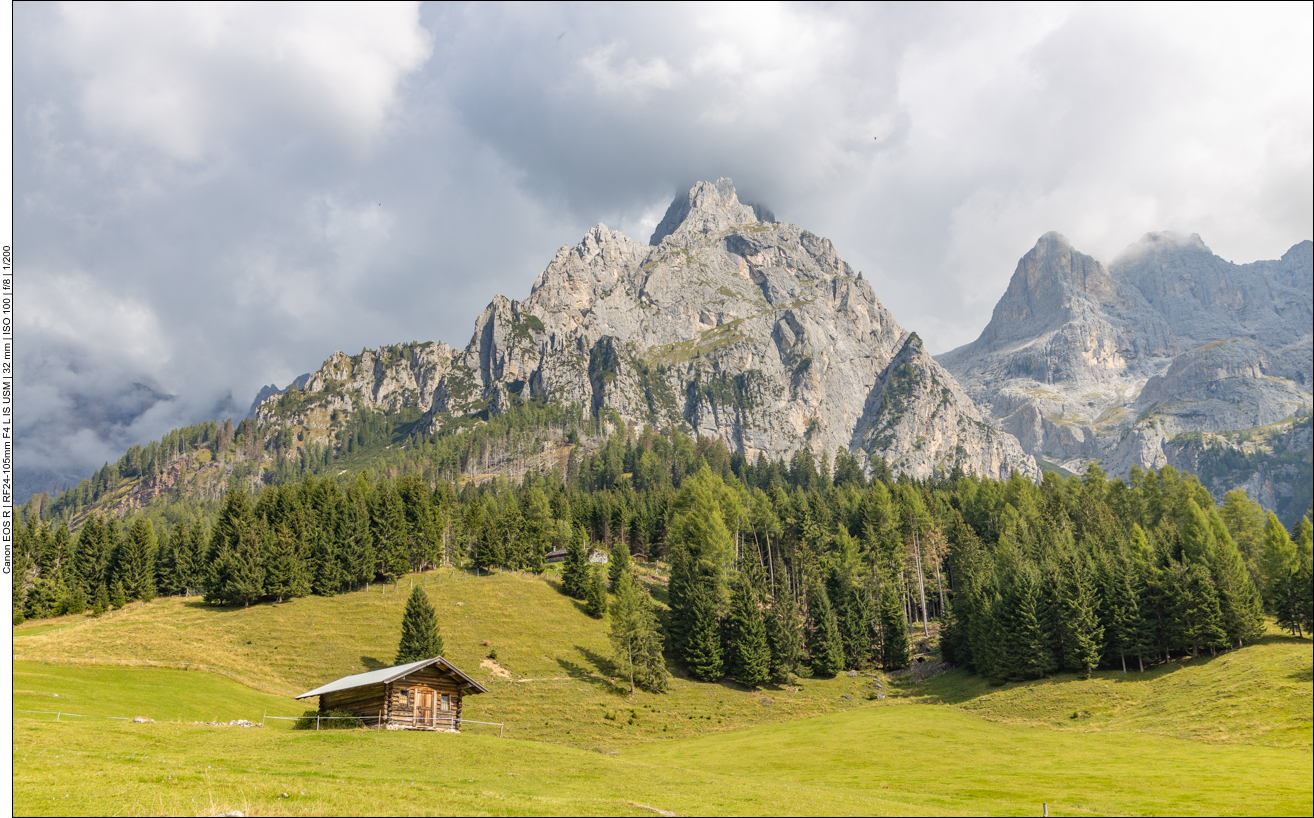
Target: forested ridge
<point>770,569</point>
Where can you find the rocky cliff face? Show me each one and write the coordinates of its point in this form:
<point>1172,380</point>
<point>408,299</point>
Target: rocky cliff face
<point>1082,362</point>
<point>726,324</point>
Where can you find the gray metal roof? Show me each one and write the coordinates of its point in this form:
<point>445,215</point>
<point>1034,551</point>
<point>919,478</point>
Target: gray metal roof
<point>390,674</point>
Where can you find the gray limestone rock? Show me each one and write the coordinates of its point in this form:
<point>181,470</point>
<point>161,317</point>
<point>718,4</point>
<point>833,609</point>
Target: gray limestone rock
<point>1082,362</point>
<point>727,325</point>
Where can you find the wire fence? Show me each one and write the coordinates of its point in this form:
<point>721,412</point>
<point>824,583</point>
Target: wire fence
<point>363,720</point>
<point>67,660</point>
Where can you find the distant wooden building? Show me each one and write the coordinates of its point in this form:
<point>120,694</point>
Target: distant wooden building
<point>424,695</point>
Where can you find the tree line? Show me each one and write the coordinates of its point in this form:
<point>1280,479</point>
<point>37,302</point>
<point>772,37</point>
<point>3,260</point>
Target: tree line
<point>775,569</point>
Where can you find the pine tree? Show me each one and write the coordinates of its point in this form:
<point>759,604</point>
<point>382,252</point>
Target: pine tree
<point>619,563</point>
<point>1196,618</point>
<point>896,652</point>
<point>1083,635</point>
<point>636,637</point>
<point>702,646</point>
<point>1303,580</point>
<point>1238,600</point>
<point>825,647</point>
<point>420,638</point>
<point>102,602</point>
<point>92,554</point>
<point>118,597</point>
<point>1122,612</point>
<point>137,561</point>
<point>287,575</point>
<point>749,655</point>
<point>575,569</point>
<point>595,593</point>
<point>1280,564</point>
<point>1020,621</point>
<point>784,633</point>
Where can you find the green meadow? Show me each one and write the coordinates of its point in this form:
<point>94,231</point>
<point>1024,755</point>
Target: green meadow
<point>1229,734</point>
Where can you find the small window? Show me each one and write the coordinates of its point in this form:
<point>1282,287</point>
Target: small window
<point>447,701</point>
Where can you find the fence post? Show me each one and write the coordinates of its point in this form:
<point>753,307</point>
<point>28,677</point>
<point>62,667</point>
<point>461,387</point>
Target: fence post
<point>317,722</point>
<point>58,714</point>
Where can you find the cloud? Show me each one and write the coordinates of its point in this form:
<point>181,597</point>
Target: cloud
<point>245,188</point>
<point>186,78</point>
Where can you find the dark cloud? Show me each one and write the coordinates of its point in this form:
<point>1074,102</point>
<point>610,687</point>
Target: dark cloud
<point>211,198</point>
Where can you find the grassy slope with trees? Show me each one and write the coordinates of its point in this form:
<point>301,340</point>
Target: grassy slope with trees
<point>1239,723</point>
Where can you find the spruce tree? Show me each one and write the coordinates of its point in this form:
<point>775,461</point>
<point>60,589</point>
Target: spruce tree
<point>1303,580</point>
<point>118,597</point>
<point>1122,612</point>
<point>595,593</point>
<point>896,651</point>
<point>574,571</point>
<point>702,646</point>
<point>420,638</point>
<point>102,603</point>
<point>1280,564</point>
<point>1197,621</point>
<point>137,561</point>
<point>749,653</point>
<point>784,633</point>
<point>636,637</point>
<point>619,563</point>
<point>825,647</point>
<point>1020,622</point>
<point>1239,601</point>
<point>1083,635</point>
<point>287,575</point>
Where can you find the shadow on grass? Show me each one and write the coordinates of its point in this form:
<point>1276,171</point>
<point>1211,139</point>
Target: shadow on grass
<point>1305,674</point>
<point>372,663</point>
<point>598,675</point>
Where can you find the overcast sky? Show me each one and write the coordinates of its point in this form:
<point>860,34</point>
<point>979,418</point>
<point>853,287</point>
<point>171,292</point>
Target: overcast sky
<point>213,198</point>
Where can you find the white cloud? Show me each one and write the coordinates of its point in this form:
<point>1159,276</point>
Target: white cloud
<point>184,77</point>
<point>249,187</point>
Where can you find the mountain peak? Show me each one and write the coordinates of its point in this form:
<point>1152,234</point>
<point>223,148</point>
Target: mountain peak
<point>708,207</point>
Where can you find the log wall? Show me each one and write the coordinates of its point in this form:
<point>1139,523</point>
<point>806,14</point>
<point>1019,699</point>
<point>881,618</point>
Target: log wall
<point>397,701</point>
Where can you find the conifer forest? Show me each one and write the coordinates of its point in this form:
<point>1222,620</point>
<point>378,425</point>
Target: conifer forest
<point>767,570</point>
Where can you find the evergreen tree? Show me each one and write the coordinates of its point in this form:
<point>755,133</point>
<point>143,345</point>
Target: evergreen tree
<point>702,645</point>
<point>118,597</point>
<point>595,593</point>
<point>1280,565</point>
<point>784,634</point>
<point>137,561</point>
<point>1020,623</point>
<point>618,564</point>
<point>236,573</point>
<point>287,575</point>
<point>1083,635</point>
<point>1303,598</point>
<point>575,569</point>
<point>420,638</point>
<point>92,555</point>
<point>102,602</point>
<point>1240,603</point>
<point>1197,620</point>
<point>825,647</point>
<point>896,651</point>
<point>1122,613</point>
<point>636,637</point>
<point>749,654</point>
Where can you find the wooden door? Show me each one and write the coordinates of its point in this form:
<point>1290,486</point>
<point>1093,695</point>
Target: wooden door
<point>425,701</point>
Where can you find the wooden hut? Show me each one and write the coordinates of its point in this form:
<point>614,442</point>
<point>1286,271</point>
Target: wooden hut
<point>424,695</point>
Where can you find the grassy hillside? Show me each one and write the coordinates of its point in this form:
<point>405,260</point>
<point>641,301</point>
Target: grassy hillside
<point>552,680</point>
<point>1258,695</point>
<point>1216,734</point>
